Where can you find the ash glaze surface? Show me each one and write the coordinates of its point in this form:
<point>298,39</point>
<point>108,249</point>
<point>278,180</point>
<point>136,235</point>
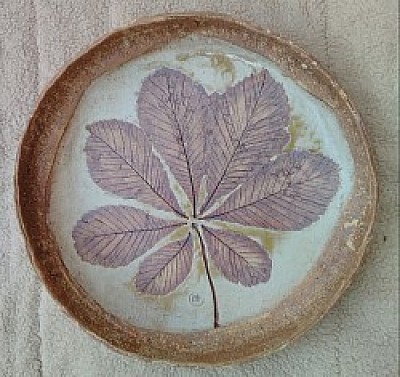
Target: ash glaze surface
<point>216,65</point>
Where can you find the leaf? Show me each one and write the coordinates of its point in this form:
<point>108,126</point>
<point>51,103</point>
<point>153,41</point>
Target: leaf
<point>289,193</point>
<point>170,110</point>
<point>164,270</point>
<point>247,126</point>
<point>121,161</point>
<point>221,146</point>
<point>114,236</point>
<point>240,259</point>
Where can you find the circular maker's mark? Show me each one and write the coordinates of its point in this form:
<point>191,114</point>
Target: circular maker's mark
<point>195,299</point>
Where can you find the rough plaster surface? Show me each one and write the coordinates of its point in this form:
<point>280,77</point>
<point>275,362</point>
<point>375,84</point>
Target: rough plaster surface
<point>355,40</point>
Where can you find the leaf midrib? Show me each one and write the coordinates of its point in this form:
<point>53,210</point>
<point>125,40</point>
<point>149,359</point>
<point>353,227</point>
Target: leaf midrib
<point>266,196</point>
<point>245,129</point>
<point>136,231</point>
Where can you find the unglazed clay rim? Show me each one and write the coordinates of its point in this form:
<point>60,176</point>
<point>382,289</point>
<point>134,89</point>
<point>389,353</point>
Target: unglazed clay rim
<point>270,331</point>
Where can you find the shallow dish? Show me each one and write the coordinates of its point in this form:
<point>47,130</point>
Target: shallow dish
<point>195,189</point>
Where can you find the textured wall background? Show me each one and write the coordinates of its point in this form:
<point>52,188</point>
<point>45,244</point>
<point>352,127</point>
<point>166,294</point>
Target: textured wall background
<point>355,40</point>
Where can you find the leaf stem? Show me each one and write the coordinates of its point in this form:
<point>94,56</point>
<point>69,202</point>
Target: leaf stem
<point>210,281</point>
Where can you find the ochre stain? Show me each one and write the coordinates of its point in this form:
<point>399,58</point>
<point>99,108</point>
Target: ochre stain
<point>202,192</point>
<point>199,263</point>
<point>166,302</point>
<point>200,269</point>
<point>187,208</point>
<point>298,129</point>
<point>186,205</point>
<point>183,57</point>
<point>214,271</point>
<point>223,64</point>
<point>220,62</point>
<point>158,64</point>
<point>317,145</point>
<point>179,233</point>
<point>265,237</point>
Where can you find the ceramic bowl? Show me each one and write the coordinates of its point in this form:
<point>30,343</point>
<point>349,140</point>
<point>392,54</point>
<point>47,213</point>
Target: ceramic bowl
<point>195,189</point>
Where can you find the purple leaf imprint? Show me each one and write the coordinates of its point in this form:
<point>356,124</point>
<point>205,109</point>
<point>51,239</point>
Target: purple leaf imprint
<point>121,161</point>
<point>164,270</point>
<point>248,125</point>
<point>289,193</point>
<point>239,258</point>
<point>170,110</point>
<point>114,236</point>
<point>235,140</point>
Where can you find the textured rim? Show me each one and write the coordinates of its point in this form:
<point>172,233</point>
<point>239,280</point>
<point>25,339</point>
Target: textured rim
<point>270,331</point>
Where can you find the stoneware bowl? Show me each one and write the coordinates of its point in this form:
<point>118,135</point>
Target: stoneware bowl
<point>195,189</point>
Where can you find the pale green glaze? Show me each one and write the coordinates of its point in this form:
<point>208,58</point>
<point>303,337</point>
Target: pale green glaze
<point>215,65</point>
